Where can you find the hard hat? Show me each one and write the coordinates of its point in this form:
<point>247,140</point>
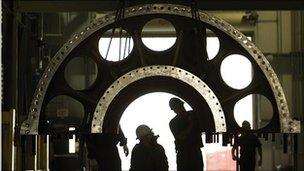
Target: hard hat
<point>246,125</point>
<point>143,130</point>
<point>174,102</point>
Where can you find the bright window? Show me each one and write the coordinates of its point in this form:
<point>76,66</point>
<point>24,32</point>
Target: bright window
<point>72,142</point>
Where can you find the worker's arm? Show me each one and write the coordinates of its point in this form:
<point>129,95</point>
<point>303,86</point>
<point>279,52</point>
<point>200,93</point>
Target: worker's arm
<point>233,152</point>
<point>123,141</point>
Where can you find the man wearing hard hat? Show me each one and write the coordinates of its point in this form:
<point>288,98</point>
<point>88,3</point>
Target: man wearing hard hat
<point>148,154</point>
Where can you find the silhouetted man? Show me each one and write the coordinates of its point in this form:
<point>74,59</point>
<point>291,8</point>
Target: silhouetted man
<point>103,148</point>
<point>148,155</point>
<point>248,143</point>
<point>187,133</point>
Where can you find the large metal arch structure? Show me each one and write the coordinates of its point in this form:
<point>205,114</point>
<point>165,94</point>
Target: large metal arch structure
<point>158,71</point>
<point>269,84</point>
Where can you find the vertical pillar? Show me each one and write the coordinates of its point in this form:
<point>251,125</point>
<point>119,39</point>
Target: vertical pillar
<point>9,149</point>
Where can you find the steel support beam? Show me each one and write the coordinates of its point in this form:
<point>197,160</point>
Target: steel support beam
<point>107,5</point>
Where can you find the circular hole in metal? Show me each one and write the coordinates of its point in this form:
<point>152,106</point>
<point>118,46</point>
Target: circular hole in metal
<point>115,44</point>
<point>158,34</point>
<point>236,71</point>
<point>213,44</point>
<point>259,117</point>
<point>80,73</point>
<point>64,111</point>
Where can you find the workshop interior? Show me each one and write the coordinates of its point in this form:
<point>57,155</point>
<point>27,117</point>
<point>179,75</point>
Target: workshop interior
<point>72,69</point>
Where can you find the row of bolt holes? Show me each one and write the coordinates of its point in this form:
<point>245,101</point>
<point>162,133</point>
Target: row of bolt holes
<point>77,36</point>
<point>209,91</point>
<point>161,8</point>
<point>212,19</point>
<point>273,79</point>
<point>42,83</point>
<point>263,63</point>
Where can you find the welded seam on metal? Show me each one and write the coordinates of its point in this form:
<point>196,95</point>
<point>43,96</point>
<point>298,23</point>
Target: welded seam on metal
<point>152,71</point>
<point>287,125</point>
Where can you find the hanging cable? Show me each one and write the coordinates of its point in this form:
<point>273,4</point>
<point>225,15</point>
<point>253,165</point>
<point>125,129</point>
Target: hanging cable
<point>120,11</point>
<point>125,47</point>
<point>120,35</point>
<point>129,42</point>
<point>109,45</point>
<point>194,9</point>
<point>118,16</point>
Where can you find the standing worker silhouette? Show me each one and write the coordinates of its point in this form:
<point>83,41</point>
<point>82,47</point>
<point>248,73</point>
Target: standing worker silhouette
<point>248,143</point>
<point>187,133</point>
<point>103,148</point>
